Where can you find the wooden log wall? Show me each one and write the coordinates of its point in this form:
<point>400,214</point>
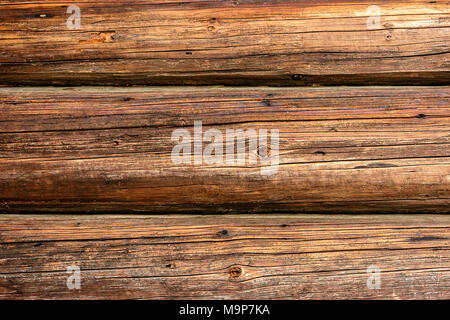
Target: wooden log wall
<point>225,257</point>
<point>226,42</point>
<point>354,98</point>
<point>340,150</point>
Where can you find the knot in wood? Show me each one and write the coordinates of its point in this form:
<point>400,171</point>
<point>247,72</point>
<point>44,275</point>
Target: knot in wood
<point>235,272</point>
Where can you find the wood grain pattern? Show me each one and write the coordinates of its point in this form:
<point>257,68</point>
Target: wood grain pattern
<point>225,257</point>
<point>340,149</point>
<point>303,42</point>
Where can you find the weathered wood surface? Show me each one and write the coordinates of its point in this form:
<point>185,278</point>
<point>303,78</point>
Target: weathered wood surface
<point>340,149</point>
<point>225,257</point>
<point>225,42</point>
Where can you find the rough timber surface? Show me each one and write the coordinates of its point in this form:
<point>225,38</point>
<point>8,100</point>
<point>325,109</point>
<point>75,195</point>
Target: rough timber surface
<point>225,257</point>
<point>237,42</point>
<point>363,149</point>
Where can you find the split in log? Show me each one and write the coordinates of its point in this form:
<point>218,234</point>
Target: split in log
<point>337,149</point>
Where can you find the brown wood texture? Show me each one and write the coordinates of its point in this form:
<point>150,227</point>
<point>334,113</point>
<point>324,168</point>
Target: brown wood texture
<point>345,149</point>
<point>303,42</point>
<point>225,257</point>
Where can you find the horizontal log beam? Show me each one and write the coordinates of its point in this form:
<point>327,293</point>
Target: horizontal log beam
<point>113,149</point>
<point>225,257</point>
<point>225,42</point>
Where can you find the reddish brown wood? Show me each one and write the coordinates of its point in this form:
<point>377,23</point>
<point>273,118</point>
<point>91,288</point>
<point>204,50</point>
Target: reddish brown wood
<point>234,42</point>
<point>109,149</point>
<point>225,257</point>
